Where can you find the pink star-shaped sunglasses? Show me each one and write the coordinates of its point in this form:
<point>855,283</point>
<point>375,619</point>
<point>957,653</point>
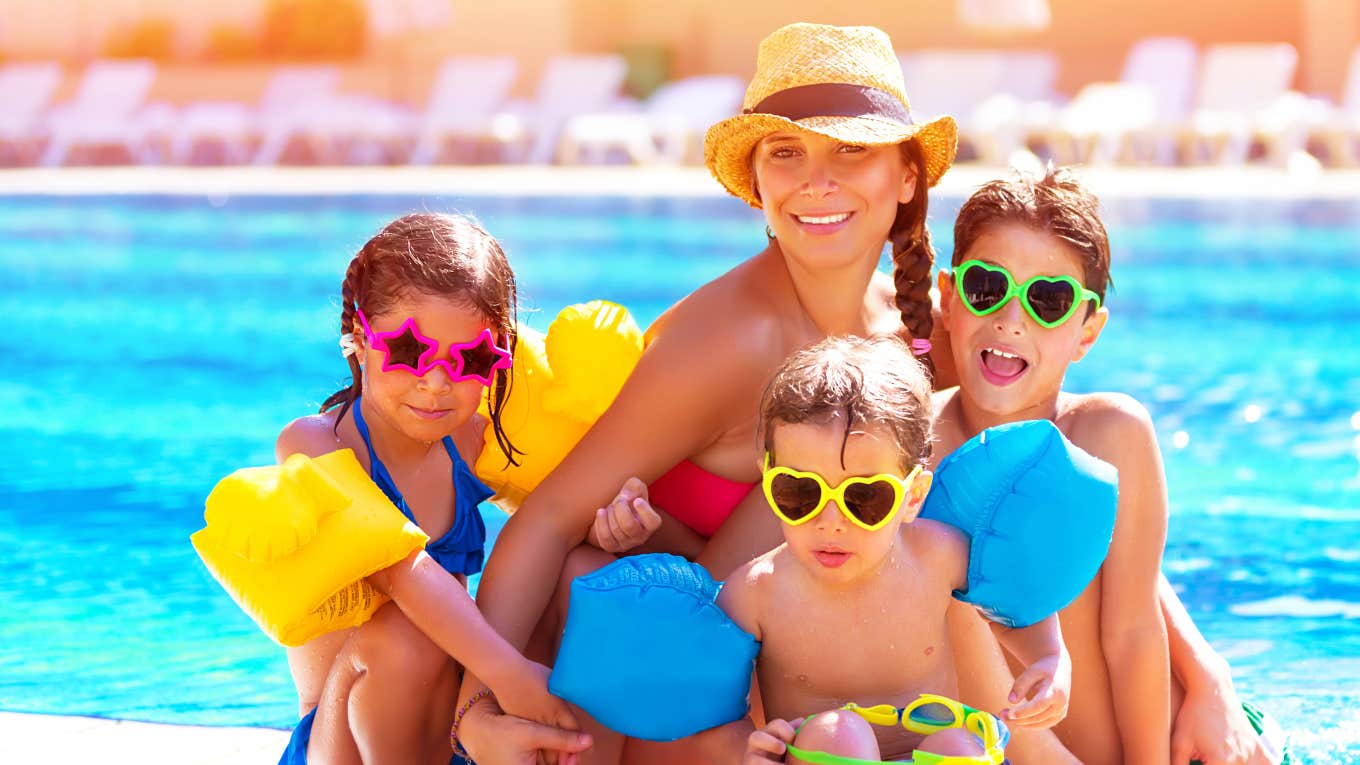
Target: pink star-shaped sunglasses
<point>410,351</point>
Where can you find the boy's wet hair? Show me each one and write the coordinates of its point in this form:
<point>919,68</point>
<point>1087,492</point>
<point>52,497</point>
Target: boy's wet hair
<point>1057,204</point>
<point>872,381</point>
<point>437,255</point>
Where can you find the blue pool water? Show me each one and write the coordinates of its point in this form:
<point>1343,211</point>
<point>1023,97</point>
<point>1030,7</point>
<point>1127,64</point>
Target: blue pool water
<point>155,344</point>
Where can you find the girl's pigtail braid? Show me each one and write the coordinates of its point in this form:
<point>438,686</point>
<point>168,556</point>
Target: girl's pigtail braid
<point>349,292</point>
<point>499,393</point>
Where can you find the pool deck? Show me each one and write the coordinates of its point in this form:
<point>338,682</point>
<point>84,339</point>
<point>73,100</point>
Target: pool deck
<point>26,738</point>
<point>1250,182</point>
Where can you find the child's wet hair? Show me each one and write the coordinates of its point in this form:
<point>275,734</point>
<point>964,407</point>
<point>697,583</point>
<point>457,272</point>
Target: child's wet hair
<point>1057,204</point>
<point>913,256</point>
<point>444,256</point>
<point>872,381</point>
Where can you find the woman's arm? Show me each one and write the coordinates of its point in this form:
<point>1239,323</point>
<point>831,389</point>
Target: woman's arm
<point>1132,633</point>
<point>686,389</point>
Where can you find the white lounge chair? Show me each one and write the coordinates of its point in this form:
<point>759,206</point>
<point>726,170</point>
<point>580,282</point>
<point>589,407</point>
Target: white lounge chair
<point>103,113</point>
<point>1136,116</point>
<point>995,95</point>
<point>1239,84</point>
<point>1025,100</point>
<point>25,90</point>
<point>293,98</point>
<point>570,85</point>
<point>669,127</point>
<point>238,128</point>
<point>466,96</point>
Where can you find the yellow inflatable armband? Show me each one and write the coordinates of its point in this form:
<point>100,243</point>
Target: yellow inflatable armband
<point>292,543</point>
<point>562,384</point>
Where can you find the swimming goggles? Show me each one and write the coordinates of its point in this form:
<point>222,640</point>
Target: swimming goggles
<point>928,714</point>
<point>797,496</point>
<point>1049,300</point>
<point>408,350</point>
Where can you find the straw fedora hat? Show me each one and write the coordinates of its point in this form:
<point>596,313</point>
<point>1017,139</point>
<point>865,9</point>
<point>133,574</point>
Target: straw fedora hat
<point>844,83</point>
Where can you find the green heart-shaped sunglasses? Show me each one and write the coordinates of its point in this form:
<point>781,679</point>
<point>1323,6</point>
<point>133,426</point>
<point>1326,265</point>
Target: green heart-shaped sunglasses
<point>1049,300</point>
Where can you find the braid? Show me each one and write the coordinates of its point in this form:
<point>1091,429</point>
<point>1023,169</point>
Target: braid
<point>913,258</point>
<point>349,293</point>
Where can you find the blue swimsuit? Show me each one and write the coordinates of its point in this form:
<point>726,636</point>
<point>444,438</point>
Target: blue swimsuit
<point>460,551</point>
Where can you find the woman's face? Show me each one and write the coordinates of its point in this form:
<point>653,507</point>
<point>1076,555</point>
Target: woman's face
<point>431,406</point>
<point>829,203</point>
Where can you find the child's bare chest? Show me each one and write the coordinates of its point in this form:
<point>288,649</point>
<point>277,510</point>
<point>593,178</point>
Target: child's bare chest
<point>818,655</point>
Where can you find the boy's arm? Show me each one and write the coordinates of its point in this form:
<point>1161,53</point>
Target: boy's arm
<point>1210,723</point>
<point>1041,692</point>
<point>740,600</point>
<point>1132,633</point>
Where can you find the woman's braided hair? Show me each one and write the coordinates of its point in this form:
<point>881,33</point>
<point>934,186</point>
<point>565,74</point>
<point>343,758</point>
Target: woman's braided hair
<point>443,256</point>
<point>913,257</point>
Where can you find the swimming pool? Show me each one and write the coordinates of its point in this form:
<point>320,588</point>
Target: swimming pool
<point>157,343</point>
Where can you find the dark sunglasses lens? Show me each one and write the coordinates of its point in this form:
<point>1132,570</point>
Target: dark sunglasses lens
<point>795,497</point>
<point>406,349</point>
<point>870,502</point>
<point>1050,300</point>
<point>933,714</point>
<point>479,360</point>
<point>982,288</point>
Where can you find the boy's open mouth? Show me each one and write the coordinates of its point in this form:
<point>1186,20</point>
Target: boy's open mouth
<point>1001,367</point>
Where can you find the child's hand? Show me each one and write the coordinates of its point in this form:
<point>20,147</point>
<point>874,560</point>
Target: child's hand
<point>527,696</point>
<point>1042,690</point>
<point>627,522</point>
<point>769,744</point>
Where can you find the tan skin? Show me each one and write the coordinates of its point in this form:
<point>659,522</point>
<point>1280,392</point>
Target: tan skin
<point>848,614</point>
<point>1123,695</point>
<point>384,691</point>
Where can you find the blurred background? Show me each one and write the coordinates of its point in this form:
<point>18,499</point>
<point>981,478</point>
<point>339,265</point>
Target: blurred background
<point>426,81</point>
<point>171,310</point>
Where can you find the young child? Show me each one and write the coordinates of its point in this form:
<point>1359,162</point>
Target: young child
<point>428,327</point>
<point>851,607</point>
<point>1025,299</point>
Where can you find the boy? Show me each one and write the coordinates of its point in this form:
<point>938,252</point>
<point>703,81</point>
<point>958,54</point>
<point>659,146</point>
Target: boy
<point>852,606</point>
<point>1024,299</point>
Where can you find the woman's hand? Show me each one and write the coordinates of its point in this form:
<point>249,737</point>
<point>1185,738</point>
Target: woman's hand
<point>492,737</point>
<point>627,522</point>
<point>1212,728</point>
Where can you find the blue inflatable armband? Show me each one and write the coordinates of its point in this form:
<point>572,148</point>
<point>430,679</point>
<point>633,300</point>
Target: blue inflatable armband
<point>1039,513</point>
<point>648,653</point>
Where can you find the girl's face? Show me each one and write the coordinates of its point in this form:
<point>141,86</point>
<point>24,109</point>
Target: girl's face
<point>431,406</point>
<point>1009,365</point>
<point>830,203</point>
<point>830,547</point>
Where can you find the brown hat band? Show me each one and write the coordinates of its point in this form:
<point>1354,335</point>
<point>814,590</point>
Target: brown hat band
<point>832,99</point>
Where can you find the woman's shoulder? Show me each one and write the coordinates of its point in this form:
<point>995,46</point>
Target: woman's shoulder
<point>312,435</point>
<point>739,315</point>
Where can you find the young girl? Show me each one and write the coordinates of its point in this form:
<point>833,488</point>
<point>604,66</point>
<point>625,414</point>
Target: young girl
<point>428,328</point>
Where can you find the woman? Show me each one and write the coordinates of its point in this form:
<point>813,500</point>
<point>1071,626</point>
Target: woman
<point>826,147</point>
